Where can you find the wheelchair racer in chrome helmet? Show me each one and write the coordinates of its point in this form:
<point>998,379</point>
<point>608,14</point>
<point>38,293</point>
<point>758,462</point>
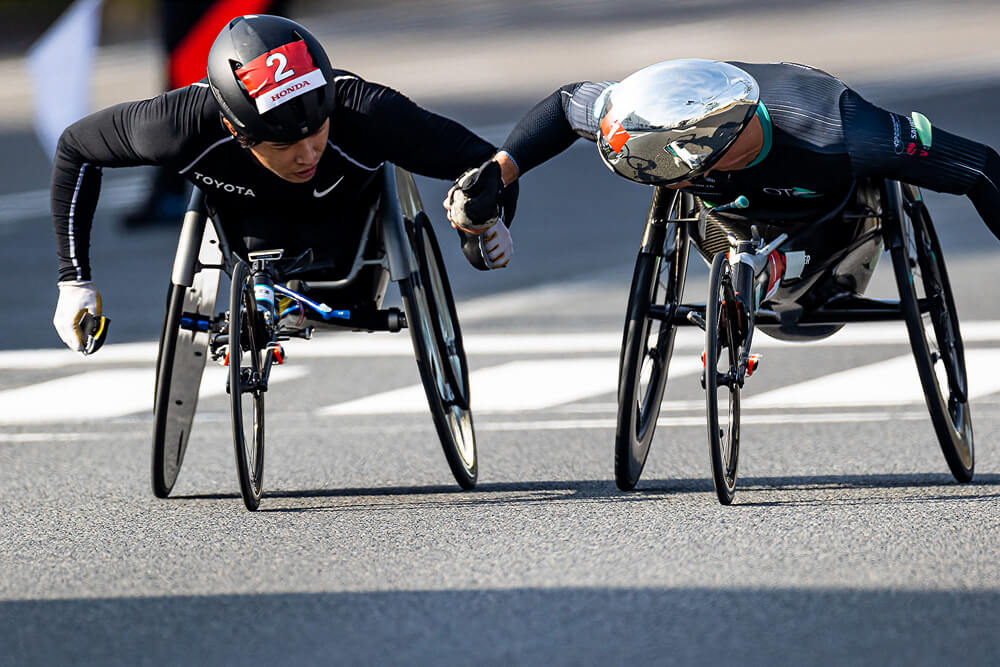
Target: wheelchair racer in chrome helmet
<point>272,79</point>
<point>671,122</point>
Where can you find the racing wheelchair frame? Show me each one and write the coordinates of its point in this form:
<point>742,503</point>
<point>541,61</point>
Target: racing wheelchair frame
<point>836,254</point>
<point>397,244</point>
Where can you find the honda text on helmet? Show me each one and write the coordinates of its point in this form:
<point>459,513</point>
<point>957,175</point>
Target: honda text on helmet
<point>271,77</point>
<point>672,121</point>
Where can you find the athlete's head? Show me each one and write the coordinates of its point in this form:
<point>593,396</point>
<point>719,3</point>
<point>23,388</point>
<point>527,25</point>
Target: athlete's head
<point>672,121</point>
<point>271,78</point>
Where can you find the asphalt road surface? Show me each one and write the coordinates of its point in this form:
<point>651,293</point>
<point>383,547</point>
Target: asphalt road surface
<point>849,541</point>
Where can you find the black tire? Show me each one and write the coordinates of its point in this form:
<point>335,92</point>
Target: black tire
<point>180,364</point>
<point>429,307</point>
<point>169,444</point>
<point>647,346</point>
<point>247,361</point>
<point>932,324</point>
<point>722,351</point>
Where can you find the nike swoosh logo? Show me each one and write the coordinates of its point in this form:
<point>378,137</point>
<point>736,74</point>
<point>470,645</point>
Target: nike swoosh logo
<point>317,193</point>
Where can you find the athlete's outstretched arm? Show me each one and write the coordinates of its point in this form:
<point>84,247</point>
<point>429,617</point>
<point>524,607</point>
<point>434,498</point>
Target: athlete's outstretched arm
<point>129,134</point>
<point>909,149</point>
<point>399,130</point>
<point>552,125</point>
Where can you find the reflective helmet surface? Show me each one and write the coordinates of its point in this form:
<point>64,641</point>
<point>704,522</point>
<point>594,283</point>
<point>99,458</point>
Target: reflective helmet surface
<point>271,77</point>
<point>671,121</point>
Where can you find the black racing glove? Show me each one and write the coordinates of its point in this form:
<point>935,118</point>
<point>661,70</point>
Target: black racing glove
<point>476,247</point>
<point>474,200</point>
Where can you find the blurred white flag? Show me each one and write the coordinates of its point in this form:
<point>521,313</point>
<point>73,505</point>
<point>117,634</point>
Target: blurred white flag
<point>60,64</point>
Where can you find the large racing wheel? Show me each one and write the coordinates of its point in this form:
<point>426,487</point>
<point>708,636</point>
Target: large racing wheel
<point>648,341</point>
<point>721,379</point>
<point>932,324</point>
<point>180,363</point>
<point>440,355</point>
<point>249,362</point>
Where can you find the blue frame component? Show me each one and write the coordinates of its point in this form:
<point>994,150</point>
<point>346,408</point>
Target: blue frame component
<point>321,309</point>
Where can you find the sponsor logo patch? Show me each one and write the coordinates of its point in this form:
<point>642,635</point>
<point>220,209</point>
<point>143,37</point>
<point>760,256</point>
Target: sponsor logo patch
<point>225,187</point>
<point>797,193</point>
<point>280,75</point>
<point>897,140</point>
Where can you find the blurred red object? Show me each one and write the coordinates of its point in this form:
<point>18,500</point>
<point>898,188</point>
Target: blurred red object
<point>191,27</point>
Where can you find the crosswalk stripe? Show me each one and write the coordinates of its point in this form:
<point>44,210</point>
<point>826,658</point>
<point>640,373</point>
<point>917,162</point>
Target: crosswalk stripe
<point>699,421</point>
<point>517,386</point>
<point>513,387</point>
<point>535,385</point>
<point>50,437</point>
<point>341,345</point>
<point>102,394</point>
<point>891,382</point>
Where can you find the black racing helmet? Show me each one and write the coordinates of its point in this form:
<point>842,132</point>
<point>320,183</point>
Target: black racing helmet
<point>271,77</point>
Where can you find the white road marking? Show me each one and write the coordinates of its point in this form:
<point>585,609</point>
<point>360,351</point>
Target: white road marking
<point>699,420</point>
<point>514,387</point>
<point>103,394</point>
<point>100,392</point>
<point>50,437</point>
<point>535,385</point>
<point>891,382</point>
<point>347,344</point>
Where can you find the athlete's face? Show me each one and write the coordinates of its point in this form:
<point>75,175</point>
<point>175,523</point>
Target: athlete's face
<point>743,151</point>
<point>295,162</point>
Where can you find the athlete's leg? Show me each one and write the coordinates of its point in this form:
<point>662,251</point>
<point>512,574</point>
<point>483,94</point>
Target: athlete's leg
<point>909,149</point>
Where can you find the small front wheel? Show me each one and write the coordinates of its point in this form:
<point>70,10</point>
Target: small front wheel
<point>722,377</point>
<point>247,376</point>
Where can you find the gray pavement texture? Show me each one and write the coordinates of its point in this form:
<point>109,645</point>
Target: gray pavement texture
<point>849,542</point>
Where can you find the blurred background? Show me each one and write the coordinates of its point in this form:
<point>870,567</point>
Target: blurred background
<point>484,63</point>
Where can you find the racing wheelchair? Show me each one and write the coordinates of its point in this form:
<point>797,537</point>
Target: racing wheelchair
<point>274,298</point>
<point>830,258</point>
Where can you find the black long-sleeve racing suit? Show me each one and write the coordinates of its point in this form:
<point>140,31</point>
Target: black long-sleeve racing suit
<point>819,136</point>
<point>183,129</point>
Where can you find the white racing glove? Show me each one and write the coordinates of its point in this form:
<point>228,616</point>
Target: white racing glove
<point>490,250</point>
<point>496,246</point>
<point>76,299</point>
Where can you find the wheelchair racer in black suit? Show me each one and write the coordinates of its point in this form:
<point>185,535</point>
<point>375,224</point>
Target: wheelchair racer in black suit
<point>283,146</point>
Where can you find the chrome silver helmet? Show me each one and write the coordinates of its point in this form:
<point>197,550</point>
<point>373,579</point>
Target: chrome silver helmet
<point>670,122</point>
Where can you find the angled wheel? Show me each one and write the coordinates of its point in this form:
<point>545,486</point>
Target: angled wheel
<point>932,324</point>
<point>647,345</point>
<point>179,365</point>
<point>441,307</point>
<point>440,355</point>
<point>247,370</point>
<point>721,377</point>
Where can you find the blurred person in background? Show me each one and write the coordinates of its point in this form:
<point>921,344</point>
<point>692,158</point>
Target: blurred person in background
<point>286,148</point>
<point>786,136</point>
<point>187,30</point>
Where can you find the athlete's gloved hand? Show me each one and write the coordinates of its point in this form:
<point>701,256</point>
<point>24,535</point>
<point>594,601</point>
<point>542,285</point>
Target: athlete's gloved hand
<point>473,202</point>
<point>76,299</point>
<point>490,250</point>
